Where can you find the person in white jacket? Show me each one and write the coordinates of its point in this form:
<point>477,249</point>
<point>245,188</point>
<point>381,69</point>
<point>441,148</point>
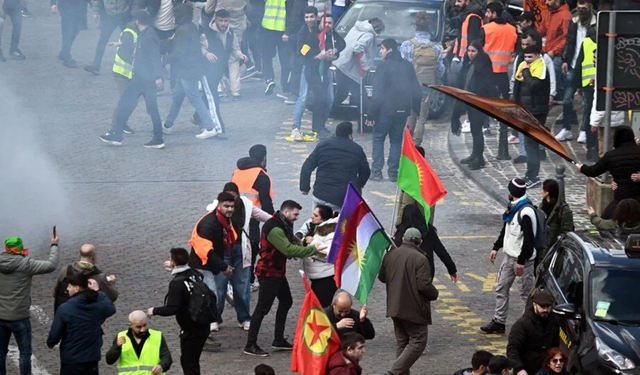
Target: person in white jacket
<point>239,259</point>
<point>320,229</point>
<point>596,120</point>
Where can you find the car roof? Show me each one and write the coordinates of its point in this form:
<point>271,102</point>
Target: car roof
<point>605,249</point>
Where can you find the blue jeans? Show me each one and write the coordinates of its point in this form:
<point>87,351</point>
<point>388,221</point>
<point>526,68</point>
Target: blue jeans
<point>239,281</point>
<point>209,279</point>
<point>21,329</point>
<point>337,12</point>
<point>569,115</point>
<point>298,110</point>
<point>560,80</point>
<point>394,127</point>
<point>188,88</point>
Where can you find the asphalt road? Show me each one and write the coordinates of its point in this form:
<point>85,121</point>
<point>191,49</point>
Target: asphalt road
<point>135,204</point>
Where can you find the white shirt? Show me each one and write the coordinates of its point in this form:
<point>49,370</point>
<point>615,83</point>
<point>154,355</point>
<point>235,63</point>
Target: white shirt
<point>165,19</point>
<point>580,35</point>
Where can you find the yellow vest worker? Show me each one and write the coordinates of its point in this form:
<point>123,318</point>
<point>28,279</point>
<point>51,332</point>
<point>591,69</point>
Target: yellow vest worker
<point>252,178</point>
<point>588,67</point>
<point>500,44</point>
<point>130,362</point>
<point>275,15</point>
<point>124,56</point>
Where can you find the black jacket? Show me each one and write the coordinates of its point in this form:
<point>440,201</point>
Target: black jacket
<point>262,184</point>
<point>221,50</point>
<point>312,65</point>
<point>430,244</point>
<point>530,337</point>
<point>533,93</point>
<point>147,67</point>
<point>176,302</point>
<point>186,53</point>
<point>77,326</point>
<point>211,229</point>
<point>572,36</point>
<point>621,162</point>
<point>339,161</point>
<point>363,328</point>
<point>396,90</point>
<point>115,351</point>
<point>478,80</point>
<point>295,18</point>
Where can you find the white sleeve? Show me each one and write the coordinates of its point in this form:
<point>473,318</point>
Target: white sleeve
<point>512,81</point>
<point>552,74</point>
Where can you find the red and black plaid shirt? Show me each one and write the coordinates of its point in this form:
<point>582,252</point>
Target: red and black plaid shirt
<point>272,263</point>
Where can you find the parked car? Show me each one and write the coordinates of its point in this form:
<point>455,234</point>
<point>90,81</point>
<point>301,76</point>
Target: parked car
<point>594,278</point>
<point>398,17</point>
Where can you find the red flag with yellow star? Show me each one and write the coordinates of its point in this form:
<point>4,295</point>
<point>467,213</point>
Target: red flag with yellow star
<point>315,338</point>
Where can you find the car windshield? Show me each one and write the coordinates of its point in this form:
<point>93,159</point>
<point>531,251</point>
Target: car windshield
<point>398,18</point>
<point>615,295</point>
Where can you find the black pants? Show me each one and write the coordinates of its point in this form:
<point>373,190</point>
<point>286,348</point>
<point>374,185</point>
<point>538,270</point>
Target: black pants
<point>14,12</point>
<point>587,103</point>
<point>108,24</point>
<point>316,100</point>
<point>533,152</point>
<point>324,289</point>
<point>252,35</point>
<point>87,368</point>
<point>272,42</point>
<point>191,344</point>
<point>129,101</point>
<point>71,22</point>
<point>501,81</point>
<point>477,120</point>
<point>254,236</point>
<point>270,289</point>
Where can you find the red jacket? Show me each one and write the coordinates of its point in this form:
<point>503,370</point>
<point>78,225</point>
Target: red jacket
<point>340,364</point>
<point>556,30</point>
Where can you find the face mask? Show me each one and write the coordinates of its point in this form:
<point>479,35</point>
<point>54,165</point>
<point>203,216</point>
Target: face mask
<point>529,59</point>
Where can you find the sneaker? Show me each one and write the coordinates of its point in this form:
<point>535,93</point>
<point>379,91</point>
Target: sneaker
<point>17,55</point>
<point>493,327</point>
<point>215,327</point>
<point>245,325</point>
<point>513,139</point>
<point>167,129</point>
<point>25,13</point>
<point>111,139</point>
<point>270,86</point>
<point>207,134</point>
<point>154,143</point>
<point>532,182</point>
<point>255,350</point>
<point>291,99</point>
<point>466,127</point>
<point>211,344</point>
<point>564,135</point>
<point>296,135</point>
<point>255,286</point>
<point>229,295</point>
<point>236,97</point>
<point>249,73</point>
<point>283,95</point>
<point>70,63</point>
<point>2,58</point>
<point>92,69</point>
<point>376,176</point>
<point>521,159</point>
<point>127,130</point>
<point>281,345</point>
<point>582,138</point>
<point>393,178</point>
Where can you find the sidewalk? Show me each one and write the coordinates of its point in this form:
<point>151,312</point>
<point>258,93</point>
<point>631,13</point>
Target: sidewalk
<point>494,177</point>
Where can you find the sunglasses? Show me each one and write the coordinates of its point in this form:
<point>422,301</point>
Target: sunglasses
<point>557,360</point>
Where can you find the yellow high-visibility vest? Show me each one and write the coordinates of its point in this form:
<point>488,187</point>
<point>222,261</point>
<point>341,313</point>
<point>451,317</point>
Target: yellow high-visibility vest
<point>122,66</point>
<point>130,364</point>
<point>275,15</point>
<point>588,67</point>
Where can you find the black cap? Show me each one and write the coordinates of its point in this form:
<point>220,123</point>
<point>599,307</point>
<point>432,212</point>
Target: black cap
<point>517,187</point>
<point>498,363</point>
<point>527,16</point>
<point>141,16</point>
<point>543,298</point>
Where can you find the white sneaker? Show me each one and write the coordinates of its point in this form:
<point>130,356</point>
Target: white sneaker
<point>207,134</point>
<point>246,325</point>
<point>214,327</point>
<point>255,286</point>
<point>166,130</point>
<point>296,135</point>
<point>513,139</point>
<point>564,135</point>
<point>466,127</point>
<point>582,138</point>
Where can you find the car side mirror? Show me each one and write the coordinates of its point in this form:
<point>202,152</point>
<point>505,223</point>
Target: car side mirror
<point>566,311</point>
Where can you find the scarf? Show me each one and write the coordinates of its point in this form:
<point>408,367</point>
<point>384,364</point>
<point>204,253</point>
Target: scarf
<point>513,209</point>
<point>228,231</point>
<point>288,228</point>
<point>178,269</point>
<point>16,251</point>
<point>537,69</point>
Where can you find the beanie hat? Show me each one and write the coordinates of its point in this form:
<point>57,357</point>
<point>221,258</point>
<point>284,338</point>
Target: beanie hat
<point>14,245</point>
<point>517,187</point>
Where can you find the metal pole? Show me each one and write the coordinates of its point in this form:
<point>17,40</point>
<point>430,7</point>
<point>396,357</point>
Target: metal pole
<point>560,177</point>
<point>395,208</point>
<point>361,105</point>
<point>611,41</point>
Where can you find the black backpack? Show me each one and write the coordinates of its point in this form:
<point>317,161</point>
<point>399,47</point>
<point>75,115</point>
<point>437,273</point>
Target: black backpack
<point>542,228</point>
<point>203,307</point>
<point>62,295</point>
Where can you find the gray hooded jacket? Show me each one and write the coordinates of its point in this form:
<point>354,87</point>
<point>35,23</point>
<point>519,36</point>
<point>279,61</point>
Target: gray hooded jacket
<point>361,38</point>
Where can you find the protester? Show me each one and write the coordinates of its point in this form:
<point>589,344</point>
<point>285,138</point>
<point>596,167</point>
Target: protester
<point>559,214</point>
<point>555,32</point>
<point>554,363</point>
<point>396,92</point>
<point>192,335</point>
<point>110,14</point>
<point>297,81</point>
<point>140,347</point>
<point>585,79</point>
<point>499,365</point>
<point>338,160</point>
<point>347,360</point>
<point>579,27</point>
<point>621,162</point>
<point>527,25</point>
<point>73,18</point>
<point>413,217</point>
<point>479,80</point>
<point>273,38</point>
<point>123,66</point>
<point>255,12</point>
<point>16,271</point>
<point>426,57</point>
<point>345,320</point>
<point>407,275</point>
<point>277,244</point>
<point>11,9</point>
<point>533,334</point>
<point>77,326</point>
<point>471,16</point>
<point>86,265</point>
<point>517,239</point>
<point>237,22</point>
<point>626,217</point>
<point>479,364</point>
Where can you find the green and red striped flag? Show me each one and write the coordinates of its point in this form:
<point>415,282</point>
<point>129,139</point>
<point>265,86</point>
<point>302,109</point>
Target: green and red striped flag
<point>416,177</point>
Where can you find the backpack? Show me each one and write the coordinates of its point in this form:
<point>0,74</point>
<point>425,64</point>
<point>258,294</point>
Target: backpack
<point>203,303</point>
<point>542,228</point>
<point>425,62</point>
<point>62,295</point>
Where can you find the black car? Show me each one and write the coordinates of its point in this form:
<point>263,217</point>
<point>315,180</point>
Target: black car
<point>398,17</point>
<point>595,281</point>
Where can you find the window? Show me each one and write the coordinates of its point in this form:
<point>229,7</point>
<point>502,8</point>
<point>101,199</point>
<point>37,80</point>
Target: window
<point>567,271</point>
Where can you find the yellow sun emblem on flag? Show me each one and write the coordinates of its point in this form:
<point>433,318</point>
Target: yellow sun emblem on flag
<point>420,173</point>
<point>358,254</point>
<point>317,331</point>
<point>343,226</point>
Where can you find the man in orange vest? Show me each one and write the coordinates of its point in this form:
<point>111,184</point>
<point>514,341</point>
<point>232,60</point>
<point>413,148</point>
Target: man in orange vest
<point>500,41</point>
<point>254,183</point>
<point>471,15</point>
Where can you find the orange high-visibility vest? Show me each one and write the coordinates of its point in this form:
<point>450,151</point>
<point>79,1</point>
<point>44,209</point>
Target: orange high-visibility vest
<point>245,178</point>
<point>202,246</point>
<point>461,47</point>
<point>499,44</point>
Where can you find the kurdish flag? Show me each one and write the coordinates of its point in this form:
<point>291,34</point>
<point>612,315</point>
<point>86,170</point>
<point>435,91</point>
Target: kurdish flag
<point>315,340</point>
<point>351,200</point>
<point>360,254</point>
<point>417,178</point>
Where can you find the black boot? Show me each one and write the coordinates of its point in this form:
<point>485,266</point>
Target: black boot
<point>503,145</point>
<point>468,159</point>
<point>477,163</point>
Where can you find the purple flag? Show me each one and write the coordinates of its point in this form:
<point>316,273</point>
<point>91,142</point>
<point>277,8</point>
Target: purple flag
<point>351,200</point>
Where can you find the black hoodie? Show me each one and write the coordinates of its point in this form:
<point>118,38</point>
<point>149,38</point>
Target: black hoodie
<point>530,337</point>
<point>262,184</point>
<point>396,90</point>
<point>621,162</point>
<point>186,53</point>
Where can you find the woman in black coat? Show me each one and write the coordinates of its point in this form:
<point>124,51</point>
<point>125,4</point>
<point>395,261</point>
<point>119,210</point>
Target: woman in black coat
<point>478,81</point>
<point>412,217</point>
